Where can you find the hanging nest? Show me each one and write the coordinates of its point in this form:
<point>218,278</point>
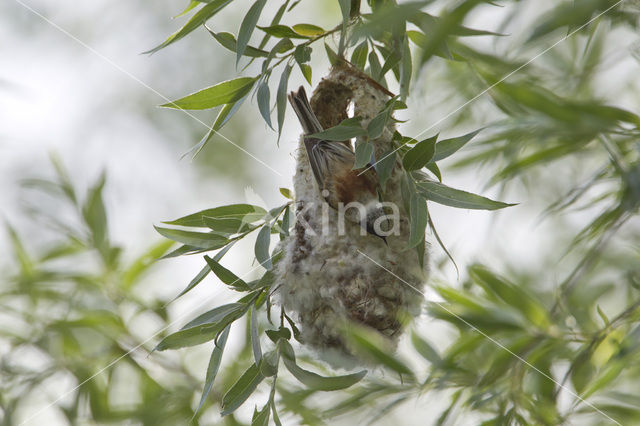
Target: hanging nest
<point>330,280</point>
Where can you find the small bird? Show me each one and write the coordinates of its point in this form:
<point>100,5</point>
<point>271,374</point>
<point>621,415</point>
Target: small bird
<point>332,165</point>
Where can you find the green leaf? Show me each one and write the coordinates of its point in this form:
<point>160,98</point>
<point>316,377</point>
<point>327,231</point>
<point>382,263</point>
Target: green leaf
<point>308,30</point>
<point>377,124</point>
<point>241,390</point>
<point>364,152</point>
<point>222,93</point>
<point>203,328</point>
<point>131,276</point>
<point>248,25</point>
<point>433,168</point>
<point>245,212</point>
<point>384,167</point>
<point>228,41</point>
<point>199,18</point>
<point>306,71</point>
<point>281,333</point>
<point>262,247</point>
<point>214,366</point>
<point>286,193</point>
<point>442,194</point>
<point>224,115</point>
<point>281,98</point>
<point>447,147</point>
<point>200,240</point>
<point>261,418</point>
<point>406,69</point>
<point>226,276</point>
<point>359,55</point>
<point>347,129</point>
<point>418,156</point>
<point>511,294</point>
<point>425,349</point>
<point>282,31</point>
<point>227,226</point>
<point>302,54</point>
<point>255,337</point>
<point>95,216</point>
<point>419,218</point>
<point>371,344</point>
<point>276,20</point>
<point>192,5</point>
<point>331,54</point>
<point>313,380</point>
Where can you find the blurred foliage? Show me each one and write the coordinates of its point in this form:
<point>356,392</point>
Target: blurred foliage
<point>521,348</point>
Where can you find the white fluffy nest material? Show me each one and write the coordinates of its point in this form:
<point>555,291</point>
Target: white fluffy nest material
<point>328,280</point>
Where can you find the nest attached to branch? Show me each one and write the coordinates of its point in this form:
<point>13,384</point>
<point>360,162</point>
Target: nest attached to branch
<point>331,280</point>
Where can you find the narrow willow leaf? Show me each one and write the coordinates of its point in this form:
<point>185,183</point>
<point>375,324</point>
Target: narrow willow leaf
<point>261,418</point>
<point>359,55</point>
<point>195,281</point>
<point>246,212</point>
<point>442,194</point>
<point>241,390</point>
<point>247,26</point>
<point>418,213</point>
<point>376,125</point>
<point>228,41</point>
<point>364,151</point>
<point>214,366</point>
<point>418,156</point>
<point>95,215</point>
<point>188,9</point>
<point>313,380</point>
<point>370,344</point>
<point>425,349</point>
<point>331,54</point>
<point>447,147</point>
<point>222,93</point>
<point>306,71</point>
<point>433,168</point>
<point>347,129</point>
<point>286,193</point>
<point>375,68</point>
<point>281,98</point>
<point>384,167</point>
<point>226,276</point>
<point>228,226</point>
<point>406,69</point>
<point>201,240</point>
<point>276,20</point>
<point>262,247</point>
<point>255,337</point>
<point>200,17</point>
<point>512,294</point>
<point>224,115</point>
<point>282,31</point>
<point>308,30</point>
<point>264,102</point>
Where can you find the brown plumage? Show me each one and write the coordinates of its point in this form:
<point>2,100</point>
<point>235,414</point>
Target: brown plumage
<point>332,165</point>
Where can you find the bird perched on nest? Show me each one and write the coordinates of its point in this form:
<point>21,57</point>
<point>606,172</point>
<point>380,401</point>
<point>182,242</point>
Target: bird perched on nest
<point>332,163</point>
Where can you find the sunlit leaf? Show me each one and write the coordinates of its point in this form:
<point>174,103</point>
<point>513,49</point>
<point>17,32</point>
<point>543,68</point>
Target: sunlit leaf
<point>247,26</point>
<point>213,367</point>
<point>313,380</point>
<point>419,155</point>
<point>199,18</point>
<point>442,194</point>
<point>222,93</point>
<point>241,390</point>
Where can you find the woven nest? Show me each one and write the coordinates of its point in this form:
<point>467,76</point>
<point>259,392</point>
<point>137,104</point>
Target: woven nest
<point>330,280</point>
